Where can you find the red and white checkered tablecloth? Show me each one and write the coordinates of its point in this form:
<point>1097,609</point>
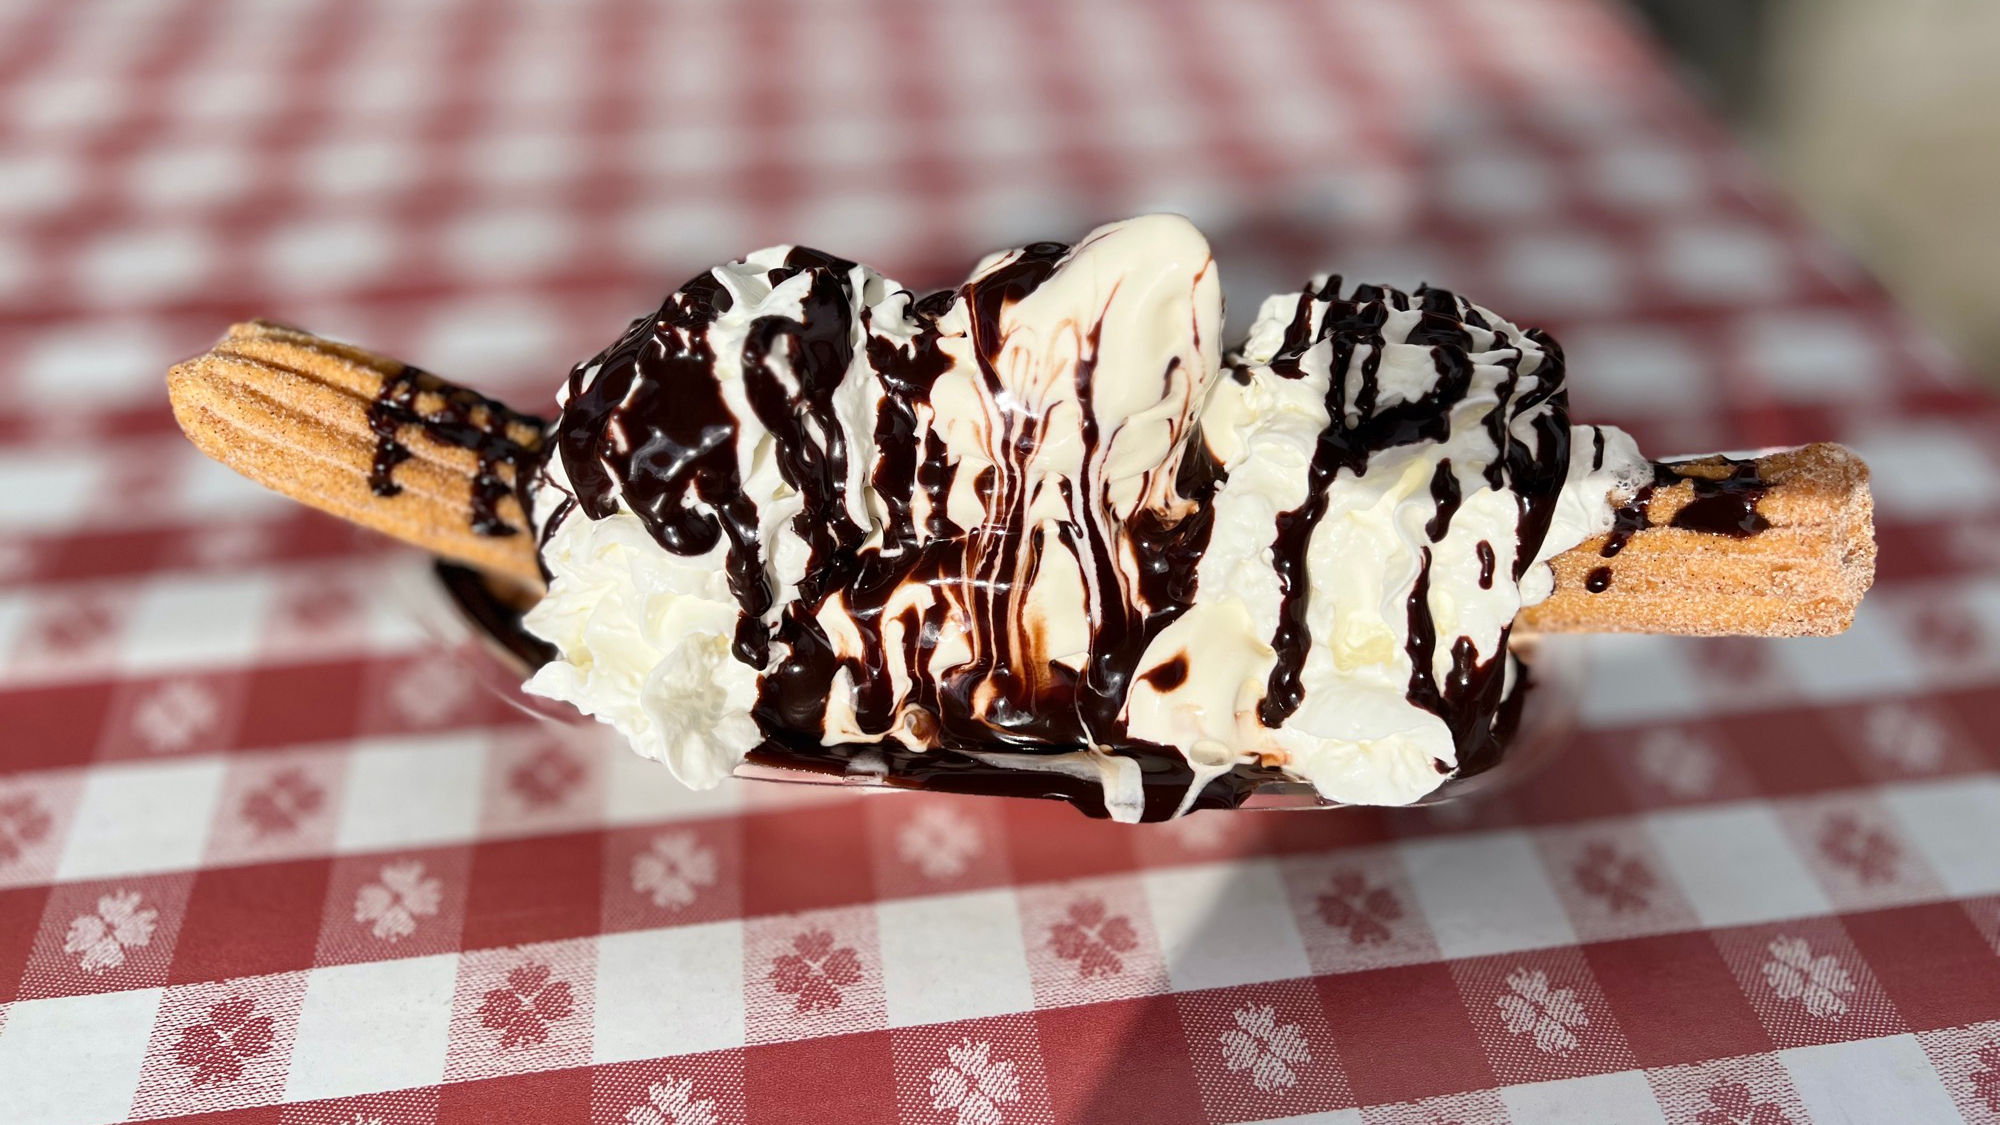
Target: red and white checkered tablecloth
<point>267,856</point>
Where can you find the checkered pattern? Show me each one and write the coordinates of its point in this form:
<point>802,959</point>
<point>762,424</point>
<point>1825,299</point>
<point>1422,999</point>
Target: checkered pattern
<point>269,853</point>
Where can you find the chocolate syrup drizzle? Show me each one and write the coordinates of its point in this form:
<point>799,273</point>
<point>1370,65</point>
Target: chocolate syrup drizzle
<point>464,419</point>
<point>1469,697</point>
<point>1724,505</point>
<point>645,422</point>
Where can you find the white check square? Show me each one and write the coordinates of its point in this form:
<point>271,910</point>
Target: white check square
<point>1621,1098</point>
<point>1888,1079</point>
<point>1486,893</point>
<point>378,1025</point>
<point>1736,865</point>
<point>408,792</point>
<point>1956,825</point>
<point>74,1060</point>
<point>953,957</point>
<point>182,622</point>
<point>138,819</point>
<point>1225,924</point>
<point>675,991</point>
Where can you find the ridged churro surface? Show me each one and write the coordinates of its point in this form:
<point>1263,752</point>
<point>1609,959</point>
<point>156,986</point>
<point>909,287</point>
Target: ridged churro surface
<point>369,439</point>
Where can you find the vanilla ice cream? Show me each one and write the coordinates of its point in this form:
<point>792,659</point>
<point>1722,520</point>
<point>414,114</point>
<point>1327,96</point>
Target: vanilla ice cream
<point>1040,524</point>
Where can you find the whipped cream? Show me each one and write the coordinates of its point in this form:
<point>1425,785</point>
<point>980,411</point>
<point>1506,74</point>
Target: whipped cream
<point>1413,455</point>
<point>1037,523</point>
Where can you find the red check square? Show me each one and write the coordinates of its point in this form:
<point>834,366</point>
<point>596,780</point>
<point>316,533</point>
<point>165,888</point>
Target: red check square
<point>1403,1034</point>
<point>556,1097</point>
<point>846,1078</point>
<point>1676,999</point>
<point>1790,751</point>
<point>539,889</point>
<point>296,703</point>
<point>51,727</point>
<point>20,917</point>
<point>806,858</point>
<point>1938,969</point>
<point>1124,1060</point>
<point>247,921</point>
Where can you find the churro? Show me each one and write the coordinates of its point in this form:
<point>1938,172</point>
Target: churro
<point>369,439</point>
<point>1780,545</point>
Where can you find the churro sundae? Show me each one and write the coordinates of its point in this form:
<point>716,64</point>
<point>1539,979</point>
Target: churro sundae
<point>1041,533</point>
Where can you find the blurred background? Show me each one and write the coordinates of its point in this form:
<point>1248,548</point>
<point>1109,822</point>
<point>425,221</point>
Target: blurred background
<point>492,188</point>
<point>1749,223</point>
<point>1879,119</point>
<point>1701,199</point>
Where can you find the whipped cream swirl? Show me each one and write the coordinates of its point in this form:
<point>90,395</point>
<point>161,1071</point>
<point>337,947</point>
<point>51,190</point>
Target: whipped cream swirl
<point>1036,525</point>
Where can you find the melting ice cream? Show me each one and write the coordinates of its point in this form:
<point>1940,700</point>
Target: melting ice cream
<point>1040,527</point>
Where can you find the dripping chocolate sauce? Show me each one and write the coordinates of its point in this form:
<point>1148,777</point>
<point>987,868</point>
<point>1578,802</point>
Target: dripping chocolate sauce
<point>1470,695</point>
<point>467,420</point>
<point>645,421</point>
<point>1721,506</point>
<point>1725,506</point>
<point>1170,675</point>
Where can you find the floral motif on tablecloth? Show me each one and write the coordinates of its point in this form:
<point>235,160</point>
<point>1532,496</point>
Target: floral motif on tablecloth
<point>1819,983</point>
<point>1269,1050</point>
<point>1948,631</point>
<point>939,841</point>
<point>674,869</point>
<point>401,893</point>
<point>174,714</point>
<point>1531,1006</point>
<point>1366,911</point>
<point>23,824</point>
<point>1986,1077</point>
<point>1682,764</point>
<point>73,628</point>
<point>1622,882</point>
<point>320,606</point>
<point>428,691</point>
<point>545,778</point>
<point>522,1010</point>
<point>1900,735</point>
<point>1731,1103</point>
<point>973,1084</point>
<point>100,938</point>
<point>278,806</point>
<point>214,1051</point>
<point>1093,937</point>
<point>815,971</point>
<point>671,1101</point>
<point>1867,851</point>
